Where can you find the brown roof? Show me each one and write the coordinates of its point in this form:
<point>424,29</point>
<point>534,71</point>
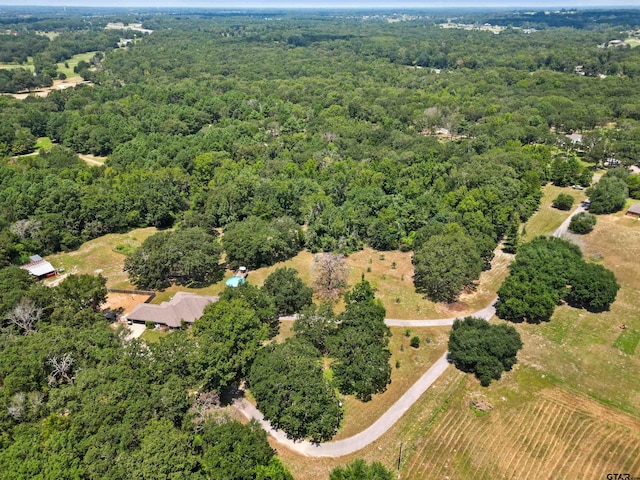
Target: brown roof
<point>635,208</point>
<point>183,306</point>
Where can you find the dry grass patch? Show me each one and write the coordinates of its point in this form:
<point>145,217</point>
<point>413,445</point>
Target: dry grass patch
<point>98,256</point>
<point>580,347</point>
<point>124,301</point>
<point>547,219</point>
<point>413,363</point>
<point>534,426</point>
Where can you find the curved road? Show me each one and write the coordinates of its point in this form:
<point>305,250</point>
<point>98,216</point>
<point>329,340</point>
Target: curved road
<point>393,414</point>
<point>386,421</point>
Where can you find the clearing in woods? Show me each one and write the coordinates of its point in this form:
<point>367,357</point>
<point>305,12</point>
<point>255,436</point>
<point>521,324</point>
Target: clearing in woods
<point>98,256</point>
<point>570,408</point>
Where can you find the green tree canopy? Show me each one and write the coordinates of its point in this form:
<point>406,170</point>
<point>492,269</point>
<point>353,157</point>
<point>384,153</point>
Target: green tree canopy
<point>255,243</point>
<point>230,334</point>
<point>486,350</point>
<point>593,287</point>
<point>187,257</point>
<point>445,264</point>
<point>259,300</point>
<point>608,195</point>
<point>582,222</point>
<point>563,201</point>
<point>288,291</point>
<point>361,359</point>
<point>233,451</point>
<point>292,392</point>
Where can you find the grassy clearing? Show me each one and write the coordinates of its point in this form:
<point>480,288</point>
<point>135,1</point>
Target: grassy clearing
<point>627,341</point>
<point>73,62</point>
<point>632,42</point>
<point>589,351</point>
<point>547,219</point>
<point>151,335</point>
<point>570,407</point>
<point>9,66</point>
<point>92,160</point>
<point>391,275</point>
<point>98,256</point>
<point>44,143</point>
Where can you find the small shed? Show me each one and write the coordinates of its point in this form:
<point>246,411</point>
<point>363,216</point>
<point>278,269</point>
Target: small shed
<point>634,211</point>
<point>39,267</point>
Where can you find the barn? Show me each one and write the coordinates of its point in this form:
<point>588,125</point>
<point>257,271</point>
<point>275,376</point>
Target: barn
<point>39,267</point>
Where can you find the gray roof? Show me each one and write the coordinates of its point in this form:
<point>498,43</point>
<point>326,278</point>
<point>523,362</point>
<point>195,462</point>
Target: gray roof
<point>635,208</point>
<point>183,306</point>
<point>38,266</point>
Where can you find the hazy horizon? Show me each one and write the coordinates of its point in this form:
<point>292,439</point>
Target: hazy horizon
<point>329,4</point>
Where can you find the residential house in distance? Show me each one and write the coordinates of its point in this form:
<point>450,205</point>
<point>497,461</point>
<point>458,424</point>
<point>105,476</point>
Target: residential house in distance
<point>39,267</point>
<point>184,306</point>
<point>634,211</point>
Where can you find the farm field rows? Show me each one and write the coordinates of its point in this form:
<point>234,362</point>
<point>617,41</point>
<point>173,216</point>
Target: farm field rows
<point>540,432</point>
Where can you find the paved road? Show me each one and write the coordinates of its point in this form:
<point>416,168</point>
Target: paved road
<point>393,414</point>
<point>561,231</point>
<point>486,313</point>
<point>362,439</point>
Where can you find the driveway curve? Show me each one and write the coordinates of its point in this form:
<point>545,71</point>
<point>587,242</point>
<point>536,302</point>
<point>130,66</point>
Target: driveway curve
<point>393,414</point>
<point>382,424</point>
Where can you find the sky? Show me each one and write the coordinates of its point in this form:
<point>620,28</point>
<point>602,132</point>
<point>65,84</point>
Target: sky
<point>391,4</point>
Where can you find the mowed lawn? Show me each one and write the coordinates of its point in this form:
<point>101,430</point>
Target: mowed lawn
<point>547,219</point>
<point>593,352</point>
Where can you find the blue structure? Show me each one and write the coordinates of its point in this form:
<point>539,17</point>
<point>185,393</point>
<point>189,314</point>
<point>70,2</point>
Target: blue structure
<point>235,281</point>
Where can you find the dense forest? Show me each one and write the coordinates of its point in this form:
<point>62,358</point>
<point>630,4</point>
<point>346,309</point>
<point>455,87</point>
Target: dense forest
<point>257,136</point>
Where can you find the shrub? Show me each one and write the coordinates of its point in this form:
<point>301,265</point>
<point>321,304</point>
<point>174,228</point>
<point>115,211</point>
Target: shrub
<point>563,202</point>
<point>582,223</point>
<point>415,342</point>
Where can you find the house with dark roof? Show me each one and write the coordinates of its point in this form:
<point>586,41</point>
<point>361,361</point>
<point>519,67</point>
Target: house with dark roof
<point>39,267</point>
<point>184,306</point>
<point>634,211</point>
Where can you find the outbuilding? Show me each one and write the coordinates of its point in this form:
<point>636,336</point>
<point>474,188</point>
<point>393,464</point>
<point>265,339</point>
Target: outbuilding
<point>634,211</point>
<point>39,267</point>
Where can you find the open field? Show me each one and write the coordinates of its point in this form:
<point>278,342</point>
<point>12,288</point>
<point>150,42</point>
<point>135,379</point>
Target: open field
<point>44,143</point>
<point>68,71</point>
<point>571,408</point>
<point>547,218</point>
<point>73,62</point>
<point>9,66</point>
<point>98,256</point>
<point>579,347</point>
<point>92,160</point>
<point>536,429</point>
<point>393,283</point>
